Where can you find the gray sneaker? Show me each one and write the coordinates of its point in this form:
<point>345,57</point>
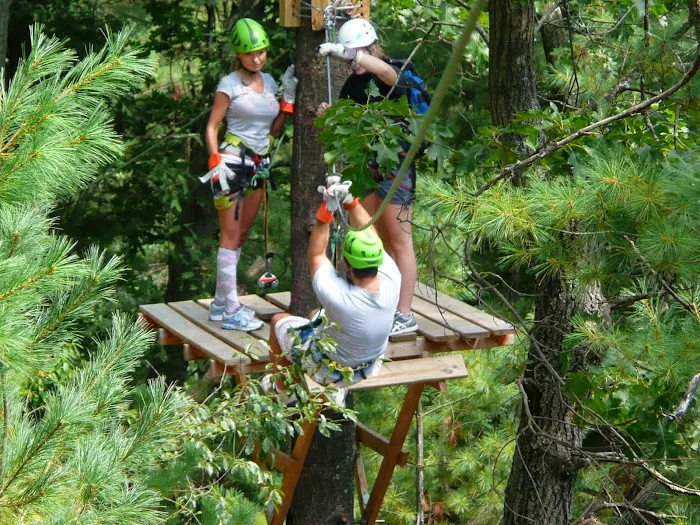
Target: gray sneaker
<point>242,319</point>
<point>403,324</point>
<point>216,311</point>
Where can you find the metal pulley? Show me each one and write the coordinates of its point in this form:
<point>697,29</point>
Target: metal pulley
<point>268,279</point>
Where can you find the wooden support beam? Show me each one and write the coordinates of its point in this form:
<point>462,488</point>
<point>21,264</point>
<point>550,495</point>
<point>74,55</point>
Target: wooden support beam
<point>288,10</point>
<point>216,370</point>
<point>393,453</point>
<point>281,460</point>
<point>190,353</point>
<point>317,22</point>
<point>292,473</point>
<point>166,338</point>
<point>361,482</point>
<point>378,443</point>
<point>440,386</point>
<point>364,9</point>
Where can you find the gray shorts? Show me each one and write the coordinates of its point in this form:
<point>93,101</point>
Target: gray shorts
<point>301,350</point>
<point>406,193</point>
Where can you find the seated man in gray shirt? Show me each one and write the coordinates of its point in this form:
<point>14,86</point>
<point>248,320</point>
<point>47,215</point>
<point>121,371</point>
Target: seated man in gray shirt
<point>362,307</point>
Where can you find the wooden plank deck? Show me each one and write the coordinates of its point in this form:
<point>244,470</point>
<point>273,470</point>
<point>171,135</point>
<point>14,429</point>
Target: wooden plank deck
<point>444,325</point>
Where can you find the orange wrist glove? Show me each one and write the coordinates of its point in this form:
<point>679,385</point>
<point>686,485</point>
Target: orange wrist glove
<point>323,214</point>
<point>286,107</point>
<point>214,160</point>
<point>352,204</point>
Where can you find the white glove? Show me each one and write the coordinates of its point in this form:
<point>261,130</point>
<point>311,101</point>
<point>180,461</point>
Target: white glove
<point>337,50</point>
<point>338,194</point>
<point>220,173</point>
<point>332,179</point>
<point>289,84</point>
<point>341,192</point>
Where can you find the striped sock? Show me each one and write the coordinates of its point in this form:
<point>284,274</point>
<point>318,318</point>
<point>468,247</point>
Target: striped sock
<point>226,268</point>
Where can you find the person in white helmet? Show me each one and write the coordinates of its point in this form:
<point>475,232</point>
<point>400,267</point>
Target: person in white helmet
<point>358,44</point>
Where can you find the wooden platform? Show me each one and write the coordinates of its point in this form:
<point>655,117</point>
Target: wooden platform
<point>444,325</point>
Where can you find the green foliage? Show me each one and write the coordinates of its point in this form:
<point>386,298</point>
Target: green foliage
<point>618,208</point>
<point>84,453</point>
<point>357,134</point>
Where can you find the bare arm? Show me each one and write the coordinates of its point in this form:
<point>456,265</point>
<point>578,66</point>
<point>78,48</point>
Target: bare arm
<point>318,241</point>
<point>278,124</point>
<point>358,217</point>
<point>377,66</point>
<point>218,111</point>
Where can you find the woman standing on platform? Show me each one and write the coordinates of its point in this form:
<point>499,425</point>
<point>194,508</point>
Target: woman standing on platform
<point>358,45</point>
<point>247,99</point>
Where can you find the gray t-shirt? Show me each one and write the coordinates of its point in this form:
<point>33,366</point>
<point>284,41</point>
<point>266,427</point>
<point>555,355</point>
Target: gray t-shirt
<point>365,318</point>
<point>250,114</point>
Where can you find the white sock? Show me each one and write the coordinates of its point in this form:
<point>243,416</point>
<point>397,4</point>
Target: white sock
<point>226,268</point>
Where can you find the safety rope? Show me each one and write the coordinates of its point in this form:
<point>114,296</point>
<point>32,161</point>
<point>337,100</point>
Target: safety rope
<point>268,279</point>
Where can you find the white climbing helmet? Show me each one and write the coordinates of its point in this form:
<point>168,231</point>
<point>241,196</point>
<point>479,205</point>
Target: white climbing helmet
<point>357,32</point>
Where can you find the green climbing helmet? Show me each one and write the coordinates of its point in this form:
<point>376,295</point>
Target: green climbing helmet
<point>363,249</point>
<point>248,36</point>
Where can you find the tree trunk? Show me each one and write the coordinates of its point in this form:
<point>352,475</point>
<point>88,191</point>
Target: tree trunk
<point>308,167</point>
<point>541,484</point>
<point>4,25</point>
<point>512,81</point>
<point>694,17</point>
<point>324,493</point>
<point>552,33</point>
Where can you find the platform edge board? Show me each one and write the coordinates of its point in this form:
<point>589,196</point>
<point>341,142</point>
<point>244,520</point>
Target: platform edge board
<point>241,341</point>
<point>174,322</point>
<point>421,370</point>
<point>492,323</point>
<point>452,321</point>
<point>281,299</point>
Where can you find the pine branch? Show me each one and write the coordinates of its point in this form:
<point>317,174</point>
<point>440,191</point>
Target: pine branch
<point>693,309</point>
<point>632,508</point>
<point>512,170</point>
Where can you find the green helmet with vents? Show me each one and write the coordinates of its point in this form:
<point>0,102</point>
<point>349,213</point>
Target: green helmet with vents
<point>363,249</point>
<point>248,36</point>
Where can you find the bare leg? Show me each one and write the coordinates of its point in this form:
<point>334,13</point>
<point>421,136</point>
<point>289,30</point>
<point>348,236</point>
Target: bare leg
<point>234,232</point>
<point>394,228</point>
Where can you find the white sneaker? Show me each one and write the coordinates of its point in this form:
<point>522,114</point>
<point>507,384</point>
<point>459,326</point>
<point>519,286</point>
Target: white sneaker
<point>242,319</point>
<point>403,324</point>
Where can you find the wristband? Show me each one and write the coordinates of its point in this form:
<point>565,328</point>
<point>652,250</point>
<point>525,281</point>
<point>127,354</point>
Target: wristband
<point>323,214</point>
<point>286,107</point>
<point>353,204</point>
<point>214,160</point>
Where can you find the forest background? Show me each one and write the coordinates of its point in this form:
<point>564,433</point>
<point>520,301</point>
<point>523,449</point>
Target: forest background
<point>588,245</point>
